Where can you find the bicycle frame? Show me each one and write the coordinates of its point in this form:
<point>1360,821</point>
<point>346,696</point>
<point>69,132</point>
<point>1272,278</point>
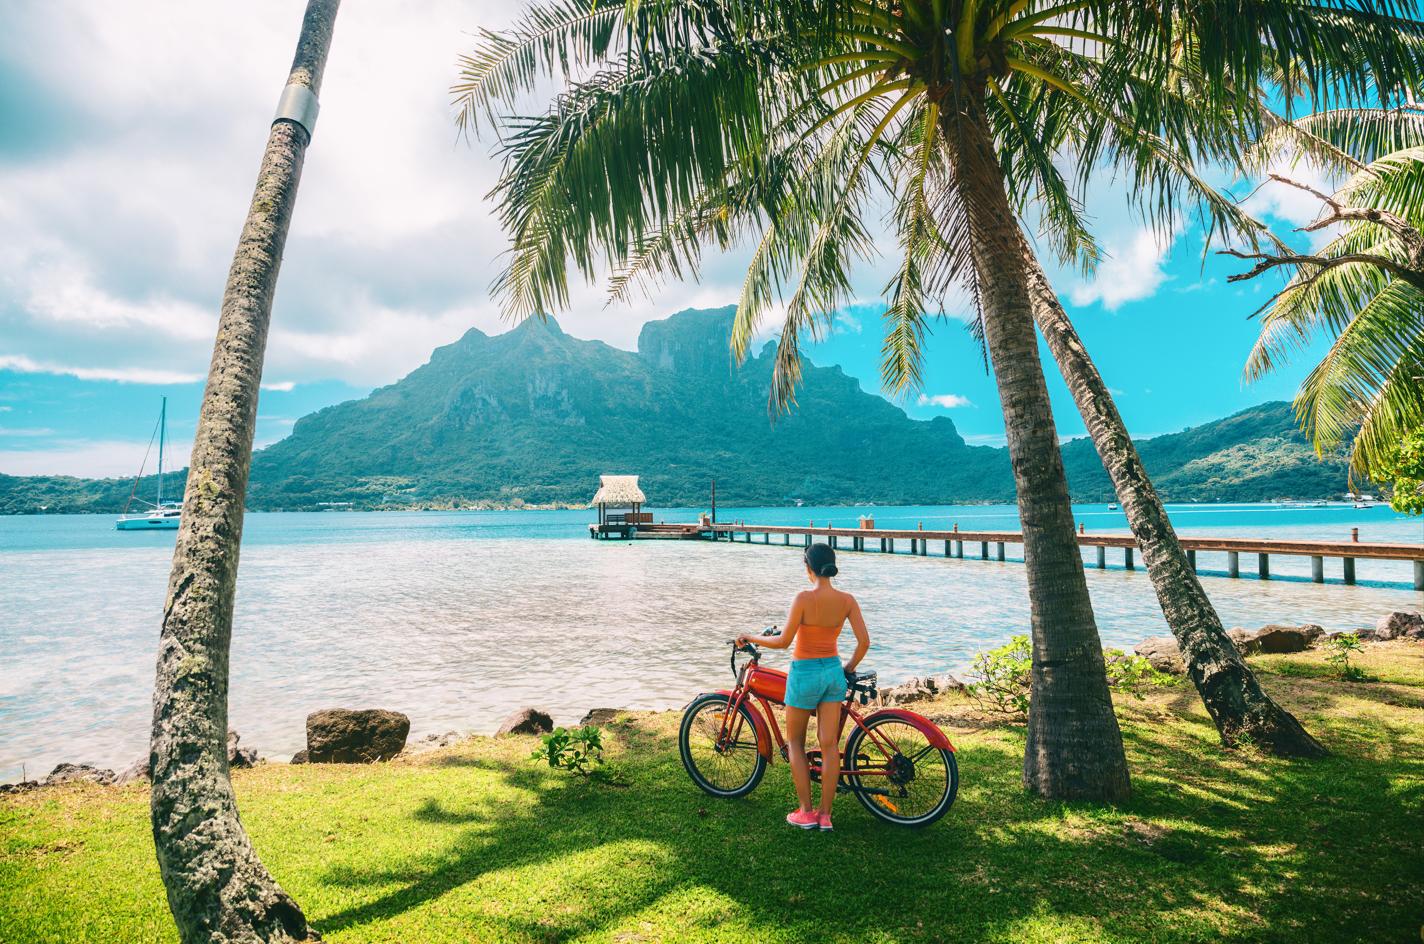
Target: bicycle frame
<point>752,676</point>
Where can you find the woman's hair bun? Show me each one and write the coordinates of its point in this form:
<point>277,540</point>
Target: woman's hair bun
<point>821,560</point>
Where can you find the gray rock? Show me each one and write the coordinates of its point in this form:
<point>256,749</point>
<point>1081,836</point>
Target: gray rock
<point>1399,623</point>
<point>72,773</point>
<point>1163,653</point>
<point>919,688</point>
<point>24,786</point>
<point>1245,642</point>
<point>347,736</point>
<point>433,741</point>
<point>526,721</point>
<point>1313,633</point>
<point>600,716</point>
<point>300,757</point>
<point>134,772</point>
<point>1277,638</point>
<point>243,757</point>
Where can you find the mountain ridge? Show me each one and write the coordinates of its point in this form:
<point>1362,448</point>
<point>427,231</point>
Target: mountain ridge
<point>533,416</point>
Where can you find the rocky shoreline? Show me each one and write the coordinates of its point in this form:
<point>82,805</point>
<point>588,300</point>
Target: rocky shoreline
<point>372,735</point>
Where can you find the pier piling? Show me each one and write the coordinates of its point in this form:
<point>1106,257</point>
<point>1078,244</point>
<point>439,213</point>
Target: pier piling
<point>954,541</point>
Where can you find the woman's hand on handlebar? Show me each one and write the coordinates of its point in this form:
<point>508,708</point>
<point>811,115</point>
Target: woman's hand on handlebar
<point>742,640</point>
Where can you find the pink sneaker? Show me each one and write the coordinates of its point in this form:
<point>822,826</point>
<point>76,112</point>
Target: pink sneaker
<point>823,820</point>
<point>804,819</point>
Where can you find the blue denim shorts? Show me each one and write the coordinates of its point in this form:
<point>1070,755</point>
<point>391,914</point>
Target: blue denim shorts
<point>812,681</point>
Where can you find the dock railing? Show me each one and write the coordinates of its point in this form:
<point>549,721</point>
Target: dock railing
<point>857,539</point>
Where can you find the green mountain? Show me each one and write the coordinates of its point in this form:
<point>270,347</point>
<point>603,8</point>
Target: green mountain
<point>533,417</point>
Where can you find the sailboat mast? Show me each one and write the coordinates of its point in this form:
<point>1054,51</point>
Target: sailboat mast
<point>162,428</point>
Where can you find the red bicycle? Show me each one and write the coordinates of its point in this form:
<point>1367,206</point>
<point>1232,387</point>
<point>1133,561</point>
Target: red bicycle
<point>899,765</point>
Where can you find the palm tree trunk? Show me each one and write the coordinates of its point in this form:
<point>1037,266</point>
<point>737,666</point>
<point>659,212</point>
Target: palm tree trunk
<point>1228,687</point>
<point>218,888</point>
<point>1074,748</point>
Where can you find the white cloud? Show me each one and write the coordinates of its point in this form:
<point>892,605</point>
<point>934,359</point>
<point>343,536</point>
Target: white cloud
<point>1114,391</point>
<point>848,321</point>
<point>947,400</point>
<point>85,458</point>
<point>1130,271</point>
<point>24,432</point>
<point>286,386</point>
<point>143,375</point>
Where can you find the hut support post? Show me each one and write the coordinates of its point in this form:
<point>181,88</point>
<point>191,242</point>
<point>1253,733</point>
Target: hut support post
<point>1127,559</point>
<point>1102,557</point>
<point>1264,566</point>
<point>1317,570</point>
<point>1349,570</point>
<point>1419,575</point>
<point>1192,560</point>
<point>1233,564</point>
<point>1000,550</point>
<point>959,549</point>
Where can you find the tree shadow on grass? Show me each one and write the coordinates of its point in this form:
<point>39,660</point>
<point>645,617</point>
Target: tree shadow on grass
<point>565,859</point>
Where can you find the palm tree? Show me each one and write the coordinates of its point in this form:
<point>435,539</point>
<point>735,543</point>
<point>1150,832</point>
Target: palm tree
<point>701,123</point>
<point>218,888</point>
<point>1364,290</point>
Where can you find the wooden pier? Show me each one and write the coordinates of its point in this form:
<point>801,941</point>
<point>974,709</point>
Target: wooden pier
<point>920,542</point>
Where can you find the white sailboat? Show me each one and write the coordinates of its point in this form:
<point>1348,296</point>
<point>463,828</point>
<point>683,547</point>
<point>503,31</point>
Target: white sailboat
<point>163,516</point>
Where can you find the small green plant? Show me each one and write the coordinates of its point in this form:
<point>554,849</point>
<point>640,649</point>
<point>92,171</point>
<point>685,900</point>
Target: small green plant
<point>1133,674</point>
<point>1005,676</point>
<point>572,750</point>
<point>1342,647</point>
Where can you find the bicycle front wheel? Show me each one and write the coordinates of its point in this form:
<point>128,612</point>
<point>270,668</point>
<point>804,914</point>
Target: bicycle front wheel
<point>897,774</point>
<point>720,758</point>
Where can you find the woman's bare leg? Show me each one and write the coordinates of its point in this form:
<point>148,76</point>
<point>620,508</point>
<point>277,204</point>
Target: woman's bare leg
<point>828,732</point>
<point>796,721</point>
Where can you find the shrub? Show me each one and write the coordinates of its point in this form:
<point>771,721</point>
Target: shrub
<point>1132,674</point>
<point>1342,646</point>
<point>1004,676</point>
<point>572,750</point>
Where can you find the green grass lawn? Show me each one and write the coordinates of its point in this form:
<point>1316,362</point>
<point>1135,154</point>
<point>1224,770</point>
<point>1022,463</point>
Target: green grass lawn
<point>475,843</point>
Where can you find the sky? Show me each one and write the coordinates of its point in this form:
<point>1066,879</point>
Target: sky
<point>130,137</point>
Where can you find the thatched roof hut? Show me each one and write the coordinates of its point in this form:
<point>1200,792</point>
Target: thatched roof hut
<point>620,491</point>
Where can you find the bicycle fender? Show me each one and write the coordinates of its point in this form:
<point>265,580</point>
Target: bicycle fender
<point>928,728</point>
<point>763,734</point>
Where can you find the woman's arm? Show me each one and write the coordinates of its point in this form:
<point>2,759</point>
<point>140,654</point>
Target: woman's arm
<point>862,635</point>
<point>787,636</point>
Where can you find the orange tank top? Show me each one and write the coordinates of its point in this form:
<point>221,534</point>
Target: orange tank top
<point>817,642</point>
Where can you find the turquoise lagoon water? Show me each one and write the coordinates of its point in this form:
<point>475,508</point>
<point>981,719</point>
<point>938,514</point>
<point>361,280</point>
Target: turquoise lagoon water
<point>458,618</point>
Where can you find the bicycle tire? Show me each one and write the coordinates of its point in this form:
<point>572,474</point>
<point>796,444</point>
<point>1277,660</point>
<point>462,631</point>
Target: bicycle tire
<point>934,769</point>
<point>730,772</point>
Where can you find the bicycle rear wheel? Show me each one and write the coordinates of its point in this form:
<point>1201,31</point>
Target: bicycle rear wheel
<point>724,763</point>
<point>913,782</point>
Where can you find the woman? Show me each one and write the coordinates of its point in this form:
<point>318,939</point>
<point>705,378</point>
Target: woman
<point>817,681</point>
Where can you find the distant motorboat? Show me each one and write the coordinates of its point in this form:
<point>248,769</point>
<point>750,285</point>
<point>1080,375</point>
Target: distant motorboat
<point>164,516</point>
<point>1112,507</point>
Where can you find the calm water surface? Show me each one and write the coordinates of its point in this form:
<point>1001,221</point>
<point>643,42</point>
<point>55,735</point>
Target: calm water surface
<point>458,618</point>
